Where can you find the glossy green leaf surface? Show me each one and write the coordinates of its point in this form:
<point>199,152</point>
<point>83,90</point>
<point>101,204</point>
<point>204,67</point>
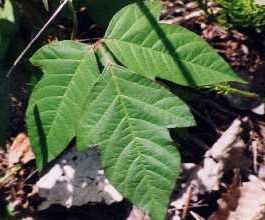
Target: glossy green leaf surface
<point>8,25</point>
<point>165,51</point>
<point>70,69</point>
<point>128,116</point>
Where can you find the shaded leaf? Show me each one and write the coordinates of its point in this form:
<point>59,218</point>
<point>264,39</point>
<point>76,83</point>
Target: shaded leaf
<point>8,26</point>
<point>70,69</point>
<point>127,114</point>
<point>166,51</point>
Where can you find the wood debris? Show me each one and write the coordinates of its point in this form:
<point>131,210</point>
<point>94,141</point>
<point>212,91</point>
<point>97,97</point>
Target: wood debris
<point>226,154</point>
<point>246,202</point>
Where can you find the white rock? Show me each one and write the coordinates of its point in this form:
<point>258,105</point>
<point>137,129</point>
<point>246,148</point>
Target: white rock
<point>76,179</point>
<point>260,110</point>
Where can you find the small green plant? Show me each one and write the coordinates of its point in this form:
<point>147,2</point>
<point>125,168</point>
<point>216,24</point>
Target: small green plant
<point>106,94</point>
<point>242,13</point>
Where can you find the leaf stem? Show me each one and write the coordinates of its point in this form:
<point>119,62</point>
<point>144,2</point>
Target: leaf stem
<point>108,59</point>
<point>226,89</point>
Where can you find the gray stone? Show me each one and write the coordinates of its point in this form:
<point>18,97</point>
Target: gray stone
<point>76,179</point>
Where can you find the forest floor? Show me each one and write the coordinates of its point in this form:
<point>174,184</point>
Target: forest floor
<point>223,157</point>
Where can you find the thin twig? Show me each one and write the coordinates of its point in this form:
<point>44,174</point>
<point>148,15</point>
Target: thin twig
<point>196,216</point>
<point>187,202</point>
<point>30,175</point>
<point>255,156</point>
<point>58,10</point>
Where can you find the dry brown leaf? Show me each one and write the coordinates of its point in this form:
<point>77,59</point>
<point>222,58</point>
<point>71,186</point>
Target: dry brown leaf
<point>20,151</point>
<point>226,154</point>
<point>246,202</point>
<point>229,200</point>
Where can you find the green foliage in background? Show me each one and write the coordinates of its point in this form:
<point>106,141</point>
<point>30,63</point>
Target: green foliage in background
<point>8,26</point>
<point>242,13</point>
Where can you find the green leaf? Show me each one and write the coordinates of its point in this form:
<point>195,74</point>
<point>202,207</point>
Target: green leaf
<point>127,114</point>
<point>166,51</point>
<point>8,26</point>
<point>70,69</point>
<point>122,21</point>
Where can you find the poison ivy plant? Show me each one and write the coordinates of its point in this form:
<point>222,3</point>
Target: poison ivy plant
<point>123,109</point>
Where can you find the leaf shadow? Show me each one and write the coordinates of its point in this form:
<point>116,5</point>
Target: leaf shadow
<point>166,42</point>
<point>42,138</point>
